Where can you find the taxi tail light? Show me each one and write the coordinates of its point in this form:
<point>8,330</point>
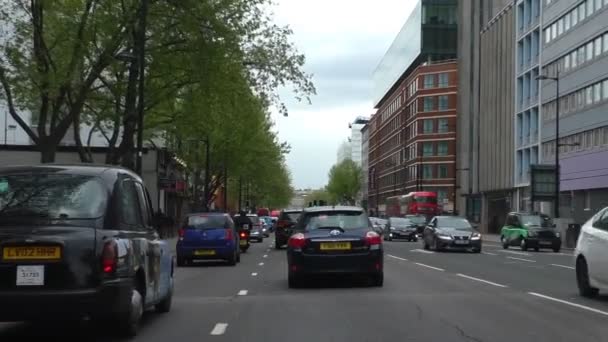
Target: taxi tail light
<point>229,235</point>
<point>297,241</point>
<point>373,240</point>
<point>109,257</point>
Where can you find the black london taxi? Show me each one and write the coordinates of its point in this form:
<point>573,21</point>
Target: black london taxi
<point>80,241</point>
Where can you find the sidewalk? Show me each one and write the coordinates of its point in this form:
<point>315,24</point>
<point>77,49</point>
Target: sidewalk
<point>495,238</point>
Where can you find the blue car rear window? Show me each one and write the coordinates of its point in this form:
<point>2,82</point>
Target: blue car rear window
<point>207,222</point>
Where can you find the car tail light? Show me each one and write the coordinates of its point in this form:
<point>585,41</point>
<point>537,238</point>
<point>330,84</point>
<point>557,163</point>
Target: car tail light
<point>181,232</point>
<point>243,235</point>
<point>109,257</point>
<point>297,241</point>
<point>229,235</point>
<point>373,240</point>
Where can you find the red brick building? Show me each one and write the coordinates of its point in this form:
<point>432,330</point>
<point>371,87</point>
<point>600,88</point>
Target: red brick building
<point>412,141</point>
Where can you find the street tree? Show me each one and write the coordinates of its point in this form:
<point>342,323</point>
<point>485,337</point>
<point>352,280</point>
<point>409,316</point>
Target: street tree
<point>344,181</point>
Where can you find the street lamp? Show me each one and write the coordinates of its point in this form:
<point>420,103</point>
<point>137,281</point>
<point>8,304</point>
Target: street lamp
<point>142,70</point>
<point>557,173</point>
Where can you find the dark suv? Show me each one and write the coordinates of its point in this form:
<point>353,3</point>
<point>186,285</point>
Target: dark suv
<point>286,221</point>
<point>80,241</point>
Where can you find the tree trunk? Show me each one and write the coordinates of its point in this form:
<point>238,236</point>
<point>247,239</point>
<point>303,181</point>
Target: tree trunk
<point>47,149</point>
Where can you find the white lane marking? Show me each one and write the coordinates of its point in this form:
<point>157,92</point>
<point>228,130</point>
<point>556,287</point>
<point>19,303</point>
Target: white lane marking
<point>488,253</point>
<point>396,257</point>
<point>480,280</point>
<point>563,266</point>
<point>569,303</point>
<point>261,264</point>
<point>254,274</point>
<point>243,293</point>
<point>514,252</point>
<point>526,260</point>
<point>265,256</point>
<point>422,251</point>
<point>219,329</point>
<point>431,267</point>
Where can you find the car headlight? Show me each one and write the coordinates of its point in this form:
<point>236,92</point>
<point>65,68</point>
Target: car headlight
<point>557,234</point>
<point>444,236</point>
<point>531,233</point>
<point>475,236</point>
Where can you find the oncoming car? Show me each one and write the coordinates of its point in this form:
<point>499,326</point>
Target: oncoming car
<point>334,240</point>
<point>591,255</point>
<point>451,232</point>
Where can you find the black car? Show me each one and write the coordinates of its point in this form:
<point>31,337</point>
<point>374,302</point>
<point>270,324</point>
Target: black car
<point>80,241</point>
<point>451,232</point>
<point>334,240</point>
<point>419,220</point>
<point>400,228</point>
<point>287,219</point>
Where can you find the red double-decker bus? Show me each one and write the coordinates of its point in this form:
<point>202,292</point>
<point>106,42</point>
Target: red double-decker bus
<point>414,203</point>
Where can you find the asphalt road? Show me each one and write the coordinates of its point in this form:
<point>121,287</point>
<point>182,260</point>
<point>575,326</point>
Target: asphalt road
<point>499,295</point>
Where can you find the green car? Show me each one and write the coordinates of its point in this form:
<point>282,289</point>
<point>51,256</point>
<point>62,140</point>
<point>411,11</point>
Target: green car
<point>529,230</point>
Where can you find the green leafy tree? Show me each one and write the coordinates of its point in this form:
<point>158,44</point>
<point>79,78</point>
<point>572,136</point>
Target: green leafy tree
<point>344,181</point>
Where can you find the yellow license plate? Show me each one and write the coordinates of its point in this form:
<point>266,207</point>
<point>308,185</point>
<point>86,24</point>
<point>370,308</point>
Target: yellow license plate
<point>335,246</point>
<point>243,242</point>
<point>31,253</point>
<point>204,252</point>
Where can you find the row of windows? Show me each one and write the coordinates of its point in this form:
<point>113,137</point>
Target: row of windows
<point>526,11</point>
<point>436,80</point>
<point>577,142</point>
<point>434,103</point>
<point>412,88</point>
<point>578,100</point>
<point>386,147</point>
<point>572,18</point>
<point>435,126</point>
<point>430,171</point>
<point>579,56</point>
<point>391,108</point>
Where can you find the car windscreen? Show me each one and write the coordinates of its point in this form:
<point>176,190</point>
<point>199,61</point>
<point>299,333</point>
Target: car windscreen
<point>536,220</point>
<point>254,219</point>
<point>454,223</point>
<point>207,222</point>
<point>400,222</point>
<point>335,219</point>
<point>51,196</point>
<point>417,219</point>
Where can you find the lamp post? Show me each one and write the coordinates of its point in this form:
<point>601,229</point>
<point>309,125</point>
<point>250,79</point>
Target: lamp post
<point>557,144</point>
<point>142,69</point>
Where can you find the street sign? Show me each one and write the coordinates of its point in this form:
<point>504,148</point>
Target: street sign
<point>542,182</point>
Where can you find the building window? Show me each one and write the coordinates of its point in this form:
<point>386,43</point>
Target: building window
<point>442,148</point>
<point>427,149</point>
<point>429,103</point>
<point>443,102</point>
<point>427,171</point>
<point>429,81</point>
<point>597,92</point>
<point>597,46</point>
<point>427,126</point>
<point>443,171</point>
<point>588,96</point>
<point>590,7</point>
<point>567,22</point>
<point>581,12</point>
<point>443,80</point>
<point>605,90</point>
<point>574,17</point>
<point>442,126</point>
<point>589,49</point>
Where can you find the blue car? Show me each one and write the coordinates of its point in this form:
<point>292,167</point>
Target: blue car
<point>208,236</point>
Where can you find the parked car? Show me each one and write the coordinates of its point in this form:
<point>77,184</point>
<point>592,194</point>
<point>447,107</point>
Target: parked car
<point>591,255</point>
<point>400,228</point>
<point>286,221</point>
<point>529,230</point>
<point>208,236</point>
<point>334,240</point>
<point>80,241</point>
<point>451,232</point>
<point>378,224</point>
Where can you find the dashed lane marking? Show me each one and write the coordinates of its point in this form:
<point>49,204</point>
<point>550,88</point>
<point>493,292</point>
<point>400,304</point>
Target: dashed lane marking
<point>563,266</point>
<point>261,264</point>
<point>569,303</point>
<point>265,256</point>
<point>243,292</point>
<point>520,259</point>
<point>515,253</point>
<point>422,251</point>
<point>488,253</point>
<point>254,274</point>
<point>480,280</point>
<point>396,257</point>
<point>429,266</point>
<point>219,329</point>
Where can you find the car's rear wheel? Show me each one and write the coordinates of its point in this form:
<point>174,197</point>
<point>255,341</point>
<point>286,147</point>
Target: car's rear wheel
<point>128,322</point>
<point>556,249</point>
<point>414,239</point>
<point>582,279</point>
<point>164,305</point>
<point>181,261</point>
<point>437,246</point>
<point>378,280</point>
<point>232,259</point>
<point>476,250</point>
<point>425,245</point>
<point>537,249</point>
<point>238,256</point>
<point>505,243</point>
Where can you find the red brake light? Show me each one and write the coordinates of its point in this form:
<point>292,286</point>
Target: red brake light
<point>297,241</point>
<point>109,257</point>
<point>181,232</point>
<point>243,235</point>
<point>229,235</point>
<point>372,239</point>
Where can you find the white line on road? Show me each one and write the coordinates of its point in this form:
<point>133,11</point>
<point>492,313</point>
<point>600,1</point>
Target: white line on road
<point>480,280</point>
<point>526,260</point>
<point>219,329</point>
<point>261,264</point>
<point>488,253</point>
<point>243,293</point>
<point>431,267</point>
<point>396,257</point>
<point>570,303</point>
<point>514,252</point>
<point>422,251</point>
<point>265,256</point>
<point>254,274</point>
<point>563,266</point>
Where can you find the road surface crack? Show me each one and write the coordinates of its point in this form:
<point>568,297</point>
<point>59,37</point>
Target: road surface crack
<point>463,333</point>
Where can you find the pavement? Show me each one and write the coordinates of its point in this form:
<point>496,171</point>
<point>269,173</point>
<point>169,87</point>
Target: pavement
<point>498,295</point>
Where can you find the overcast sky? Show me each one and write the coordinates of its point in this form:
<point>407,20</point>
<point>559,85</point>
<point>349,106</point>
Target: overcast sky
<point>343,42</point>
